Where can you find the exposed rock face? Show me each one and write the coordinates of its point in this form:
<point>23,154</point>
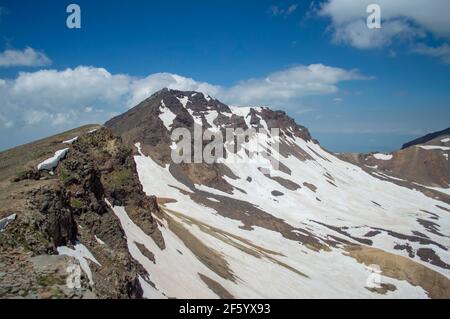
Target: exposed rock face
<point>69,207</point>
<point>59,222</point>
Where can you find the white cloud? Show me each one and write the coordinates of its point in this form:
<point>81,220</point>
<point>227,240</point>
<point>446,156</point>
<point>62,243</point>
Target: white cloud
<point>287,85</point>
<point>51,97</point>
<point>279,11</point>
<point>359,36</point>
<point>143,88</point>
<point>441,52</point>
<point>275,89</point>
<point>25,57</point>
<point>401,19</point>
<point>47,101</point>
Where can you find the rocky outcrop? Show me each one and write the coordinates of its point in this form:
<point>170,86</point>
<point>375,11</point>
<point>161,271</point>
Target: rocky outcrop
<point>68,207</point>
<point>59,222</point>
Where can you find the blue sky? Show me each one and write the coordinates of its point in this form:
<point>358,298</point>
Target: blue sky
<point>372,92</point>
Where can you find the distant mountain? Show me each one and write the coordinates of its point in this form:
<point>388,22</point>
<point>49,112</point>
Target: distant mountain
<point>273,216</point>
<point>422,163</point>
<point>426,138</point>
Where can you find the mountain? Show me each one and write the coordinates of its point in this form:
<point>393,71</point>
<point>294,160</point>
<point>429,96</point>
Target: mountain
<point>273,215</point>
<point>422,163</point>
<point>426,138</point>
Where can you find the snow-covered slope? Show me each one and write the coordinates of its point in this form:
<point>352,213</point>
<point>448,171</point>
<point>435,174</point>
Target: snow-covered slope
<point>315,227</point>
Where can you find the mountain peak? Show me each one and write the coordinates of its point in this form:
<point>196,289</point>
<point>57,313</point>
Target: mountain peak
<point>168,109</point>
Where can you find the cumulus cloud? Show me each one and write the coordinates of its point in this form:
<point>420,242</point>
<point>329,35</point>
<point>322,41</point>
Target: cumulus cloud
<point>48,101</point>
<point>143,88</point>
<point>359,36</point>
<point>287,85</point>
<point>401,19</point>
<point>441,52</point>
<point>26,57</point>
<point>52,98</point>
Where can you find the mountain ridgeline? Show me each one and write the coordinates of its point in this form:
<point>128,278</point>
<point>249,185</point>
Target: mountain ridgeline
<point>117,217</point>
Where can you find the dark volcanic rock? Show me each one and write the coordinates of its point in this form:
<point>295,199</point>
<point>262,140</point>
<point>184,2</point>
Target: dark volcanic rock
<point>59,223</point>
<point>426,138</point>
<point>33,174</point>
<point>70,208</point>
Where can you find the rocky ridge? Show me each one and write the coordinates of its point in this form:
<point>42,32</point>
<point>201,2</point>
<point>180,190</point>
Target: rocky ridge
<point>67,207</point>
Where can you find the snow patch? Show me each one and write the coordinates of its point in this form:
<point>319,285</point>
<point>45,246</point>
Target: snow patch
<point>71,140</point>
<point>207,97</point>
<point>210,118</point>
<point>50,163</point>
<point>149,291</point>
<point>82,254</point>
<point>435,147</point>
<point>166,116</point>
<point>101,242</point>
<point>5,221</point>
<point>389,176</point>
<point>446,140</point>
<point>438,189</point>
<point>383,157</point>
<point>184,100</point>
<point>138,146</point>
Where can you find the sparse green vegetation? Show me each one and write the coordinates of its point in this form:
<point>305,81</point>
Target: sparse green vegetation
<point>20,173</point>
<point>64,176</point>
<point>46,280</point>
<point>111,147</point>
<point>57,293</point>
<point>120,177</point>
<point>76,203</point>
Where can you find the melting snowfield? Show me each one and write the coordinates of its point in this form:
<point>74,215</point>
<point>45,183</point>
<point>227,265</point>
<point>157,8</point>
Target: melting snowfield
<point>318,227</point>
<point>340,201</point>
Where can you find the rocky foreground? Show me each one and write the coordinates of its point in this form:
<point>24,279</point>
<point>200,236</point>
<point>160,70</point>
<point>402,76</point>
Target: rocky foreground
<point>68,207</point>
